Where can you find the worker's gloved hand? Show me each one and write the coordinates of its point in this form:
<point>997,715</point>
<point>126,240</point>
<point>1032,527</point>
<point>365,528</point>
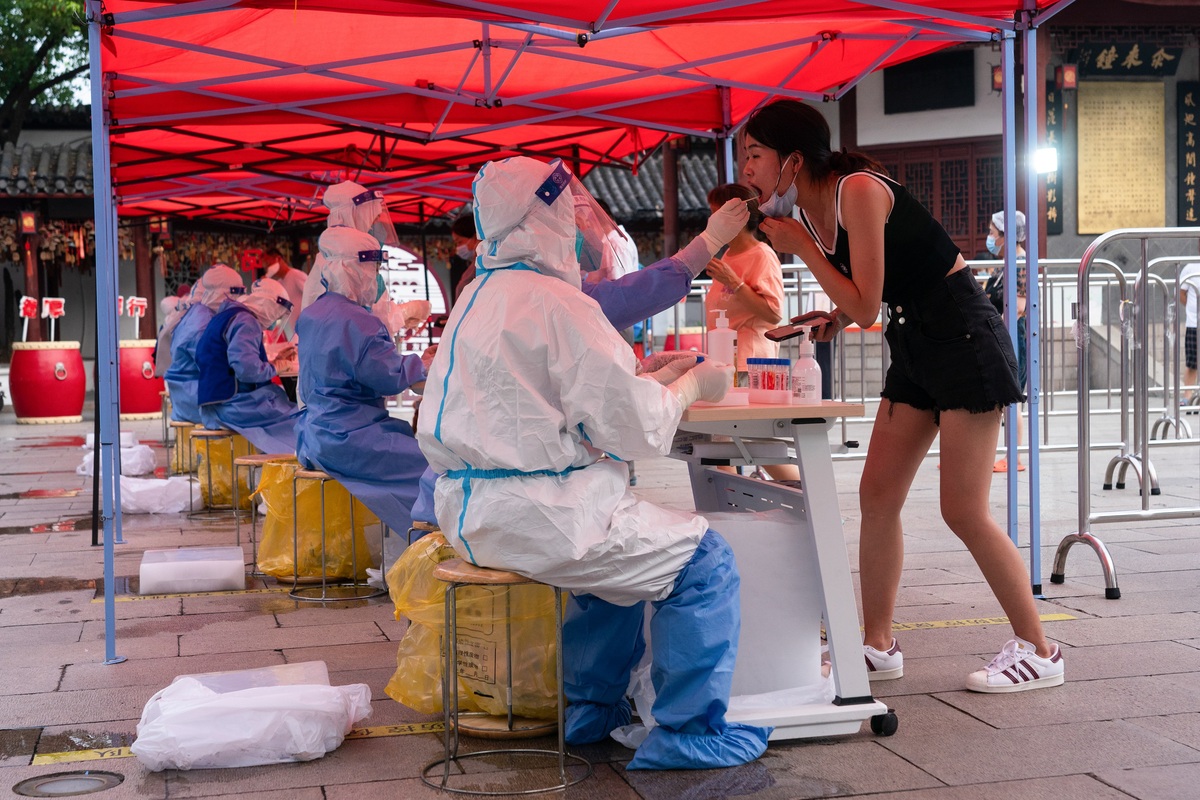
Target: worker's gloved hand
<point>672,368</point>
<point>427,356</point>
<point>657,361</point>
<point>414,312</point>
<point>707,381</point>
<point>725,223</point>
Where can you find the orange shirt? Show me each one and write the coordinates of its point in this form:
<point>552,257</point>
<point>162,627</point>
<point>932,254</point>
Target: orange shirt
<point>759,267</point>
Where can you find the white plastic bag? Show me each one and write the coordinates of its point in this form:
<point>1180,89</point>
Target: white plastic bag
<point>135,460</point>
<point>158,495</point>
<point>189,726</point>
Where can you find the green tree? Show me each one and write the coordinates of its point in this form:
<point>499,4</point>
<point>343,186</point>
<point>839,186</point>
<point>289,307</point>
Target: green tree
<point>44,47</point>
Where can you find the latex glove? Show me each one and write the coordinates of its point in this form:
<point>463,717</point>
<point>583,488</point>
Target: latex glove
<point>659,360</point>
<point>414,312</point>
<point>427,356</point>
<point>726,222</point>
<point>707,381</point>
<point>672,370</point>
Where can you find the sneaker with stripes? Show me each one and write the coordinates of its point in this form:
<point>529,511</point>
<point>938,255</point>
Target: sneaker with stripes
<point>1018,668</point>
<point>884,665</point>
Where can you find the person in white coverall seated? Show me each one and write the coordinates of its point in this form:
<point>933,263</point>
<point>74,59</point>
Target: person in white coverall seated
<point>532,405</point>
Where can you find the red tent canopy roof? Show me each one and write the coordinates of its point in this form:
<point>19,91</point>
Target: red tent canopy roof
<point>257,104</point>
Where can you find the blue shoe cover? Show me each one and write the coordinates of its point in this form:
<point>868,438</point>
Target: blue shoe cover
<point>593,722</point>
<point>738,744</point>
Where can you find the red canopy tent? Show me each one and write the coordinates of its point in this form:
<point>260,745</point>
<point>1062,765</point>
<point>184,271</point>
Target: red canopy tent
<point>246,108</point>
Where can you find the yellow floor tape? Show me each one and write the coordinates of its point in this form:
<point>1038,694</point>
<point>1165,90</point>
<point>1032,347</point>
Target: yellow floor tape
<point>377,732</point>
<point>130,598</point>
<point>966,623</point>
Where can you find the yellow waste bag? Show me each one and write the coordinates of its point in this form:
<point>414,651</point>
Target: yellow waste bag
<point>222,471</point>
<point>182,461</point>
<point>482,651</point>
<point>275,549</point>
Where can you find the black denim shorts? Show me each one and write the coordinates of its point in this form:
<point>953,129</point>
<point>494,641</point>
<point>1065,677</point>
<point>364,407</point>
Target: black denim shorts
<point>950,351</point>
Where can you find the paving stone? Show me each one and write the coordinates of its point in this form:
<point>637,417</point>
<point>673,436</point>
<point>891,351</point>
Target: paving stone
<point>1075,787</point>
<point>1171,782</point>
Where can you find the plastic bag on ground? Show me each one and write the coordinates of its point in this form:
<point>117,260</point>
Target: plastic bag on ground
<point>275,550</point>
<point>188,725</point>
<point>157,495</point>
<point>222,470</point>
<point>136,460</point>
<point>482,658</point>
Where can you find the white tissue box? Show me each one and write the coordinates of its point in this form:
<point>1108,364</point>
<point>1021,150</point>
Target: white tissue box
<point>192,569</point>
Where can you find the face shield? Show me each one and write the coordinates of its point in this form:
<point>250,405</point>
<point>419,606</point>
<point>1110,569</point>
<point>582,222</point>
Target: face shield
<point>598,239</point>
<point>269,301</point>
<point>351,262</point>
<point>370,209</point>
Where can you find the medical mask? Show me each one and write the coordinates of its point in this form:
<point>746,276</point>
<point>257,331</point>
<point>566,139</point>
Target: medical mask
<point>578,244</point>
<point>273,270</point>
<point>463,252</point>
<point>780,205</point>
<point>384,233</point>
<point>993,246</point>
<point>380,287</point>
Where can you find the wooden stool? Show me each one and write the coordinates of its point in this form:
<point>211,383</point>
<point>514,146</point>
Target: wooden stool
<point>457,573</point>
<point>175,458</point>
<point>250,463</point>
<point>165,396</point>
<point>347,590</point>
<point>211,510</point>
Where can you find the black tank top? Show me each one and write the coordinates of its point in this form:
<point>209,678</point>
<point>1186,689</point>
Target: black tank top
<point>917,251</point>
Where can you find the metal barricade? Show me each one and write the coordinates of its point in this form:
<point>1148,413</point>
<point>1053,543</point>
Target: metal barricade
<point>1140,370</point>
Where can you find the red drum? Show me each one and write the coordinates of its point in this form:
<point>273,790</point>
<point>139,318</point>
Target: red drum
<point>47,382</point>
<point>140,397</point>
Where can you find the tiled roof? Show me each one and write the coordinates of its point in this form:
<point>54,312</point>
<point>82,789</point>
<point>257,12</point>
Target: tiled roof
<point>638,198</point>
<point>51,169</point>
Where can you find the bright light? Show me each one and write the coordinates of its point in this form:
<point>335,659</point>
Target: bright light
<point>1045,159</point>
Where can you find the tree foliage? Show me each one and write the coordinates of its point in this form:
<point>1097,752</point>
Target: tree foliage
<point>44,47</point>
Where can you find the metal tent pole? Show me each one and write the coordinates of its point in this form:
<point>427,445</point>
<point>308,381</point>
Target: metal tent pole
<point>1032,304</point>
<point>106,341</point>
<point>1009,137</point>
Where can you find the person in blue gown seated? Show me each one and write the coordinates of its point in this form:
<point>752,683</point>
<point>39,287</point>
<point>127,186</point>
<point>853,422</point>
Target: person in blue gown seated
<point>532,404</point>
<point>235,388</point>
<point>218,284</point>
<point>345,380</point>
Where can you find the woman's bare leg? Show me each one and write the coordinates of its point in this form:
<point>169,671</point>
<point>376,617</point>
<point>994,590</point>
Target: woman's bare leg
<point>899,441</point>
<point>965,484</point>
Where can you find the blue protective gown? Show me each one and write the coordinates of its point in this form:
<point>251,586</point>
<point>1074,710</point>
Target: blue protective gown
<point>183,373</point>
<point>264,415</point>
<point>345,428</point>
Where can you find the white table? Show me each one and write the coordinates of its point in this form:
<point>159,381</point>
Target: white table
<point>775,573</point>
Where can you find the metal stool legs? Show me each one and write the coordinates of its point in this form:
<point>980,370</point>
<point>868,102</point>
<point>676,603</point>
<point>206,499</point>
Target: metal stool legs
<point>211,510</point>
<point>450,703</point>
<point>348,589</point>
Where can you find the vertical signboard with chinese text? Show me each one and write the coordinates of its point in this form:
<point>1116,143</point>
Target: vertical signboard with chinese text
<point>1188,131</point>
<point>1054,112</point>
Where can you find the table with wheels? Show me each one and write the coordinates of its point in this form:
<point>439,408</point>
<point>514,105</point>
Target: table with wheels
<point>793,564</point>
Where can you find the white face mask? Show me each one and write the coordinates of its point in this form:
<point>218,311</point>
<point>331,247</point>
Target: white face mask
<point>273,270</point>
<point>780,205</point>
<point>463,252</point>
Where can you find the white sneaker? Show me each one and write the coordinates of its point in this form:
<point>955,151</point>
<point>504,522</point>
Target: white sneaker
<point>884,665</point>
<point>1018,668</point>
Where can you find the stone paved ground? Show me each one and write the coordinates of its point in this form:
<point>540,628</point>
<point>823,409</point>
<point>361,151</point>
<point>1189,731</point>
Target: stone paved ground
<point>1126,724</point>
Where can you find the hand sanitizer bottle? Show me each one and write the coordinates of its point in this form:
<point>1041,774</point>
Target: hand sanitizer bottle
<point>722,341</point>
<point>806,375</point>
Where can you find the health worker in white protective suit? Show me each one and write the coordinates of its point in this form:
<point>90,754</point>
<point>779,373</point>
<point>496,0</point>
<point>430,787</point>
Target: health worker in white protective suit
<point>531,404</point>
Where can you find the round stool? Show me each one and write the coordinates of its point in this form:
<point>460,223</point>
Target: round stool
<point>458,573</point>
<point>165,396</point>
<point>352,589</point>
<point>175,454</point>
<point>250,463</point>
<point>211,510</point>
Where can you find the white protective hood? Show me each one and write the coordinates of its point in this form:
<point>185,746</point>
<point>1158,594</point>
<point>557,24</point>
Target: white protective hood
<point>218,284</point>
<point>269,301</point>
<point>343,272</point>
<point>515,226</point>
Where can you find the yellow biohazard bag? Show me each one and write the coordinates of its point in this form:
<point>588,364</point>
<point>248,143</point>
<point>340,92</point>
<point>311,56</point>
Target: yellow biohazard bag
<point>222,470</point>
<point>183,454</point>
<point>275,549</point>
<point>482,650</point>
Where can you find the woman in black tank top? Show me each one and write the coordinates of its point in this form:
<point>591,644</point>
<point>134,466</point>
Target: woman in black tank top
<point>868,242</point>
